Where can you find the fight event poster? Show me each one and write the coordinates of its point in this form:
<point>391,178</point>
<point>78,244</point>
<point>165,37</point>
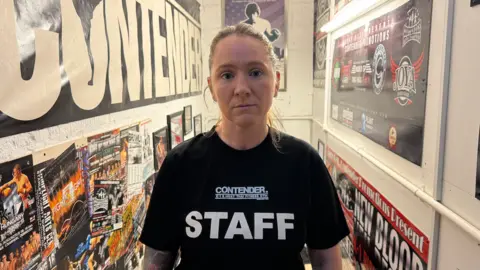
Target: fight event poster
<point>379,79</point>
<point>381,237</point>
<point>20,245</point>
<point>67,61</point>
<point>322,17</point>
<point>160,145</point>
<point>267,17</point>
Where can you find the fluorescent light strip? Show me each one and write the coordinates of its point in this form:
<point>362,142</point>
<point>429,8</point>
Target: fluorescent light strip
<point>352,10</point>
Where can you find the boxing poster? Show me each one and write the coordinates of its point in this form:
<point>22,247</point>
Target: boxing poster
<point>267,17</point>
<point>175,129</point>
<point>108,181</point>
<point>379,79</point>
<point>477,191</point>
<point>20,245</point>
<point>67,61</point>
<point>322,17</point>
<point>160,144</point>
<point>66,195</point>
<point>381,237</point>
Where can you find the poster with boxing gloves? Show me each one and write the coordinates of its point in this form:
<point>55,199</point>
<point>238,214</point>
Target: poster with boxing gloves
<point>268,18</point>
<point>379,79</point>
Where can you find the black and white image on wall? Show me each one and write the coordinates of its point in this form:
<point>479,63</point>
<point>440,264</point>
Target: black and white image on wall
<point>322,17</point>
<point>92,58</point>
<point>187,119</point>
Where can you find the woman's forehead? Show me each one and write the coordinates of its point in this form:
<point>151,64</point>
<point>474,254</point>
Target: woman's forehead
<point>240,50</point>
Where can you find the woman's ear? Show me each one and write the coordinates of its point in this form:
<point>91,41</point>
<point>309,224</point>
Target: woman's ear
<point>209,80</point>
<point>277,83</point>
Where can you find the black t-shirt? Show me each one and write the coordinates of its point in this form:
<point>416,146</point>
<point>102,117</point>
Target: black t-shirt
<point>243,209</point>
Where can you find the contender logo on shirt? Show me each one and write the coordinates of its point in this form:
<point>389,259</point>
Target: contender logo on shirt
<point>241,193</point>
<point>238,224</point>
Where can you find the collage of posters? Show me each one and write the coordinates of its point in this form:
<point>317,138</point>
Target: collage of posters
<point>267,17</point>
<point>381,237</point>
<point>75,205</point>
<point>379,79</point>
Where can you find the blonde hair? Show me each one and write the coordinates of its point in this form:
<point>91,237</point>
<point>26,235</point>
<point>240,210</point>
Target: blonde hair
<point>246,30</point>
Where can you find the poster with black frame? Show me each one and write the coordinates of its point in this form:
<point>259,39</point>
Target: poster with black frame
<point>477,190</point>
<point>381,237</point>
<point>379,79</point>
<point>197,124</point>
<point>175,129</point>
<point>187,119</point>
<point>267,17</point>
<point>160,145</point>
<point>322,17</point>
<point>19,228</point>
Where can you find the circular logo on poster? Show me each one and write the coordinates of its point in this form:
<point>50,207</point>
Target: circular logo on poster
<point>392,137</point>
<point>380,68</point>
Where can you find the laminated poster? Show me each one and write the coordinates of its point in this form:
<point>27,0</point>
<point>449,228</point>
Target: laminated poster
<point>381,237</point>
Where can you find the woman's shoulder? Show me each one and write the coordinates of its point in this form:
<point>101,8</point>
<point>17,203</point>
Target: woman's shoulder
<point>191,148</point>
<point>291,144</point>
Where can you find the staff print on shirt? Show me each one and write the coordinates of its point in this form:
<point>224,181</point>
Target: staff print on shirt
<point>238,224</point>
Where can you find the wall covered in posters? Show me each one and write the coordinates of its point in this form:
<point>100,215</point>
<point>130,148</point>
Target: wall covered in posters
<point>267,17</point>
<point>75,205</point>
<point>381,236</point>
<point>67,61</point>
<point>379,79</point>
<point>321,17</point>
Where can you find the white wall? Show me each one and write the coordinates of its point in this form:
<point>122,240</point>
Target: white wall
<point>457,249</point>
<point>296,102</point>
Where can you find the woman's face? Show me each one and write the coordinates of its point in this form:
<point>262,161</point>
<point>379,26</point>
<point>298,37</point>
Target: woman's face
<point>242,80</point>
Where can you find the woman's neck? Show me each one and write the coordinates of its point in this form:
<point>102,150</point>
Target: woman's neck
<point>242,138</point>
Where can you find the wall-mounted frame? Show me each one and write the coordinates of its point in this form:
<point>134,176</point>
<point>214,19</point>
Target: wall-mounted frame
<point>160,146</point>
<point>187,119</point>
<point>321,149</point>
<point>197,124</point>
<point>275,11</point>
<point>474,2</point>
<point>175,129</point>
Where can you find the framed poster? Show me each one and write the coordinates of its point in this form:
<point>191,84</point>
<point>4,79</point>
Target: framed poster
<point>321,149</point>
<point>187,119</point>
<point>197,122</point>
<point>160,147</point>
<point>266,16</point>
<point>322,17</point>
<point>379,79</point>
<point>477,191</point>
<point>175,129</point>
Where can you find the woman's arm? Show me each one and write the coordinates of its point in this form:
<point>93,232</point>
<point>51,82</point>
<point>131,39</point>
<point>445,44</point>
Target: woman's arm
<point>322,259</point>
<point>158,260</point>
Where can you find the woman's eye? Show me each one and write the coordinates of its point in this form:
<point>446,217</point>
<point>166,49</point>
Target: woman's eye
<point>226,75</point>
<point>255,73</point>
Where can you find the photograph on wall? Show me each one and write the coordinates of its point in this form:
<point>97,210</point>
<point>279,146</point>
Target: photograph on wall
<point>197,124</point>
<point>379,79</point>
<point>175,129</point>
<point>477,191</point>
<point>160,145</point>
<point>321,149</point>
<point>66,194</point>
<point>267,17</point>
<point>187,119</point>
<point>381,237</point>
<point>93,75</point>
<point>19,228</point>
<point>322,17</point>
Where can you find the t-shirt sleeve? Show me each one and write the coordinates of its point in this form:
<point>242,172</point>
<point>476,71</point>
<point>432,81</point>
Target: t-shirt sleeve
<point>161,227</point>
<point>326,225</point>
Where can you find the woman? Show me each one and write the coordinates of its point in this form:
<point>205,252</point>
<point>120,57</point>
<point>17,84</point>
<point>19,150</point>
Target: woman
<point>244,195</point>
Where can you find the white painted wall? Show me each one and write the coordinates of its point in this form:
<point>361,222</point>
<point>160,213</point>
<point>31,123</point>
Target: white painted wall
<point>296,102</point>
<point>457,250</point>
